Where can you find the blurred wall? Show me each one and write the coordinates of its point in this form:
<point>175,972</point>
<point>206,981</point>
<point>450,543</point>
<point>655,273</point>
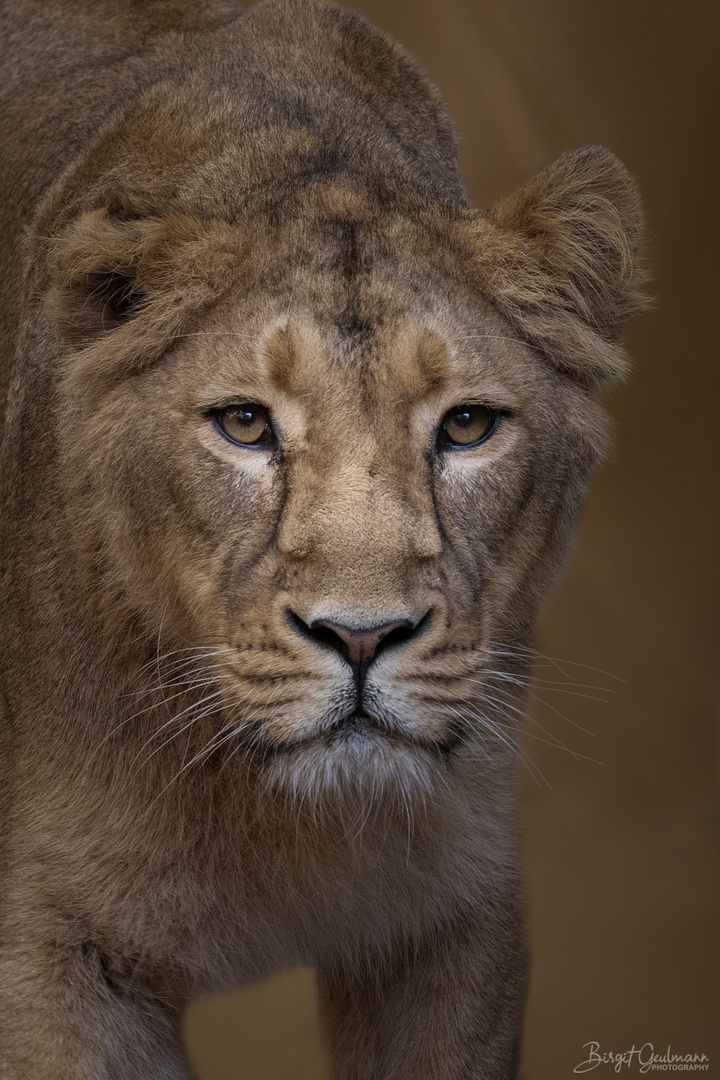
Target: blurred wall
<point>622,856</point>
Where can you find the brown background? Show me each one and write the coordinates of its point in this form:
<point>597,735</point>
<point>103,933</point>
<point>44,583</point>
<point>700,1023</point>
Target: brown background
<point>622,857</point>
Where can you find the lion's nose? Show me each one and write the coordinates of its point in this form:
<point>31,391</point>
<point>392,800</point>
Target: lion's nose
<point>359,645</point>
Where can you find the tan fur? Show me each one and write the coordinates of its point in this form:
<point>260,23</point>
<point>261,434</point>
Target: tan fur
<point>201,207</point>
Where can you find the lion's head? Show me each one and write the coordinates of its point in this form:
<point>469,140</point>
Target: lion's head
<point>324,431</point>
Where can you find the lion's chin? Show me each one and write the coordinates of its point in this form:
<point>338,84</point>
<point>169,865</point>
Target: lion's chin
<point>355,760</point>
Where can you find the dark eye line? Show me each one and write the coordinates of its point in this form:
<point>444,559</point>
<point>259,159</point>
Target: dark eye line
<point>267,441</point>
<point>498,416</point>
<point>215,417</point>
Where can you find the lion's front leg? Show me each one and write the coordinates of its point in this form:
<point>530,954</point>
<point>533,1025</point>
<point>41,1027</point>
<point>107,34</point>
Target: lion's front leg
<point>65,1016</point>
<point>451,1010</point>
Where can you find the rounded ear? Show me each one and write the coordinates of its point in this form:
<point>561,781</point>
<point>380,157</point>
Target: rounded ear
<point>108,270</point>
<point>559,258</point>
<point>95,275</point>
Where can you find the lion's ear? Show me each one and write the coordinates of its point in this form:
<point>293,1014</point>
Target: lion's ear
<point>95,271</point>
<point>108,270</point>
<point>559,257</point>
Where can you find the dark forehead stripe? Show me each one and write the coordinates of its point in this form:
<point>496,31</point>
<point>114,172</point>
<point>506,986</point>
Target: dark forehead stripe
<point>356,324</point>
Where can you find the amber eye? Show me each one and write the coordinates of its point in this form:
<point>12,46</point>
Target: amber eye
<point>246,424</point>
<point>466,425</point>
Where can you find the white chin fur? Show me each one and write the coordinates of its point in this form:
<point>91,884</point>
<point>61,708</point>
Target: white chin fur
<point>361,767</point>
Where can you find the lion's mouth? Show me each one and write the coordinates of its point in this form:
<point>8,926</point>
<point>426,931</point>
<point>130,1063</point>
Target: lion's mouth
<point>354,726</point>
<point>357,721</point>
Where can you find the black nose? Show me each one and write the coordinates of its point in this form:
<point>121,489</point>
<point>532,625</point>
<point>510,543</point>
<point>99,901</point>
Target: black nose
<point>358,645</point>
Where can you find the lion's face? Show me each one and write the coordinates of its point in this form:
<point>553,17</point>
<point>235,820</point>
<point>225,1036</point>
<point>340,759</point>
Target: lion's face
<point>342,491</point>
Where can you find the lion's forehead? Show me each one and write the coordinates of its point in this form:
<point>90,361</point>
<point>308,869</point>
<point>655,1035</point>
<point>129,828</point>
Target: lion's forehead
<point>378,371</point>
<point>352,260</point>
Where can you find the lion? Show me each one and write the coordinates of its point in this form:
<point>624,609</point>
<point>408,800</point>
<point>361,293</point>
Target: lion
<point>295,441</point>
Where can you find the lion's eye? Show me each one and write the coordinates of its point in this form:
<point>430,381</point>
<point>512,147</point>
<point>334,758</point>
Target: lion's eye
<point>466,425</point>
<point>246,424</point>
